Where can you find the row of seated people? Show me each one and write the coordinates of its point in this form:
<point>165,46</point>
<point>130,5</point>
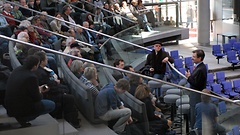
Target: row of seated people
<point>102,94</point>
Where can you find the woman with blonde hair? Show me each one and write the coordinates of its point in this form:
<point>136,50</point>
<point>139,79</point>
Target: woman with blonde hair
<point>157,123</point>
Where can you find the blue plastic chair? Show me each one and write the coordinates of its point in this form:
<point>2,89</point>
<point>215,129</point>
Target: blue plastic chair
<point>220,77</point>
<point>188,62</point>
<point>236,85</point>
<point>236,46</point>
<point>235,130</point>
<point>217,89</point>
<point>217,52</point>
<point>227,88</point>
<point>232,58</point>
<point>174,54</point>
<point>226,48</point>
<point>232,41</point>
<point>178,63</point>
<point>210,79</point>
<point>222,107</point>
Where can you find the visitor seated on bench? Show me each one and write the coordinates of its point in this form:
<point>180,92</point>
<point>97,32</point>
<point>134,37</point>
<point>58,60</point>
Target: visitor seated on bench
<point>108,106</point>
<point>23,98</point>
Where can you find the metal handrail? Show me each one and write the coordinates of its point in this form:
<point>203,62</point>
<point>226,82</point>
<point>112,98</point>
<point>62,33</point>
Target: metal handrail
<point>55,33</point>
<point>80,26</point>
<point>237,102</point>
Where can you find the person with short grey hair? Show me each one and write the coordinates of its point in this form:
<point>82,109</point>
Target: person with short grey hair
<point>76,68</point>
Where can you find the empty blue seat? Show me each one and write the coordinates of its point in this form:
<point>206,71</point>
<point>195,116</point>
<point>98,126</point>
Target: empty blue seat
<point>227,89</point>
<point>229,133</point>
<point>222,107</point>
<point>217,89</point>
<point>232,58</point>
<point>226,48</point>
<point>220,77</point>
<point>235,130</point>
<point>188,62</point>
<point>236,85</point>
<point>210,79</point>
<point>178,63</point>
<point>236,46</point>
<point>174,54</point>
<point>232,41</point>
<point>217,52</point>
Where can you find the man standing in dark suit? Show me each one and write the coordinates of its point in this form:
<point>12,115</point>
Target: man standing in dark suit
<point>197,81</point>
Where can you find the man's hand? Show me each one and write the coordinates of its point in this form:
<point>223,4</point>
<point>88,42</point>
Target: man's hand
<point>188,73</point>
<point>165,60</point>
<point>130,120</point>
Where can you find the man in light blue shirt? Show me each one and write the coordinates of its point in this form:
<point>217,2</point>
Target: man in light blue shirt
<point>4,27</point>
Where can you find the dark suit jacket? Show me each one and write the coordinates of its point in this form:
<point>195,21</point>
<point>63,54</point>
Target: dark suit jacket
<point>86,35</point>
<point>197,81</point>
<point>22,94</point>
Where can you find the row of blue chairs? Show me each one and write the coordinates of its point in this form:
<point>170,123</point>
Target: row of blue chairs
<point>232,53</point>
<point>234,131</point>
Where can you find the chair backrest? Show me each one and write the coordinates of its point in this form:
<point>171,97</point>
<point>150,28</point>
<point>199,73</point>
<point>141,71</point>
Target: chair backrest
<point>216,49</point>
<point>210,79</point>
<point>232,41</point>
<point>235,130</point>
<point>216,88</point>
<point>182,70</point>
<point>227,87</point>
<point>138,109</point>
<point>226,48</point>
<point>222,107</point>
<point>220,76</point>
<point>174,54</point>
<point>236,85</point>
<point>178,63</point>
<point>231,55</point>
<point>188,62</point>
<point>236,46</point>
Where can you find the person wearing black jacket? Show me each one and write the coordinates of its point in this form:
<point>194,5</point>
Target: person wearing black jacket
<point>157,61</point>
<point>197,80</point>
<point>65,103</point>
<point>23,98</point>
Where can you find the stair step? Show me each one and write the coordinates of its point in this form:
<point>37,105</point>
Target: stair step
<point>66,129</point>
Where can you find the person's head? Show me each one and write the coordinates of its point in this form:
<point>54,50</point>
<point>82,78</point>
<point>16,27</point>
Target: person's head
<point>67,10</point>
<point>33,50</point>
<point>98,11</point>
<point>116,6</point>
<point>36,20</point>
<point>23,35</point>
<point>42,57</point>
<point>31,62</point>
<point>124,3</point>
<point>75,49</point>
<point>23,2</point>
<point>31,2</point>
<point>135,79</point>
<point>76,66</point>
<point>198,56</point>
<point>69,41</point>
<point>25,23</point>
<point>78,29</point>
<point>7,7</point>
<point>16,7</point>
<point>142,91</point>
<point>58,15</point>
<point>90,73</point>
<point>157,46</point>
<point>87,64</point>
<point>121,86</point>
<point>106,6</point>
<point>129,68</point>
<point>43,16</point>
<point>85,24</point>
<point>119,63</point>
<point>134,2</point>
<point>37,2</point>
<point>205,98</point>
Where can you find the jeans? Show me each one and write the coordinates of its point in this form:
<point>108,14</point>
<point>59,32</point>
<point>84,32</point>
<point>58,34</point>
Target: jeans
<point>158,76</point>
<point>123,115</point>
<point>49,106</point>
<point>52,39</point>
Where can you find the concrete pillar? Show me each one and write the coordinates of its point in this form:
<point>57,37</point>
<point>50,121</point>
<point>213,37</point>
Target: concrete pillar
<point>203,22</point>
